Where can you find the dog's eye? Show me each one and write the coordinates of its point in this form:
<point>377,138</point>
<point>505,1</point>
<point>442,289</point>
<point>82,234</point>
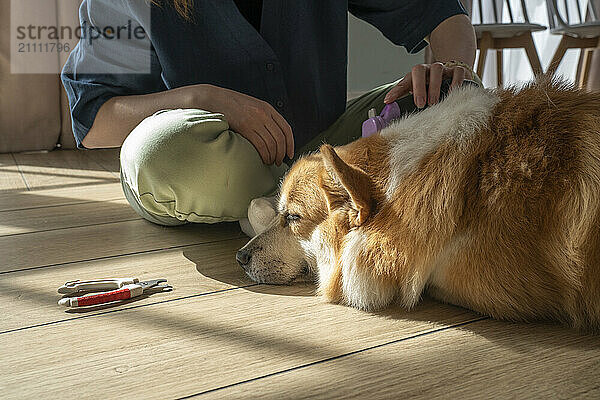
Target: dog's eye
<point>292,217</point>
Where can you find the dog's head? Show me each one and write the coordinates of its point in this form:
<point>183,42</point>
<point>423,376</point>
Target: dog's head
<point>321,199</point>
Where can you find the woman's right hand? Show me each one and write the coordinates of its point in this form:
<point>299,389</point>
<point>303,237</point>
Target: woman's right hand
<point>254,119</point>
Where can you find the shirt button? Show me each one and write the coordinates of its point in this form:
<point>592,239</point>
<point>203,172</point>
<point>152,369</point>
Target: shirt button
<point>279,104</point>
<point>270,66</point>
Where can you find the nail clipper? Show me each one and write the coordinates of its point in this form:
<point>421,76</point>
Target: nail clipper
<point>111,290</point>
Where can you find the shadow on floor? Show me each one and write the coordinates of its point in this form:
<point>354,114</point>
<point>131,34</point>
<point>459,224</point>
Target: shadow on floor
<point>232,274</point>
<point>428,308</point>
<point>88,160</point>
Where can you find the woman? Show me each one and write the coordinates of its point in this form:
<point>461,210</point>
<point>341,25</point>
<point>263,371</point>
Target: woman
<point>209,98</point>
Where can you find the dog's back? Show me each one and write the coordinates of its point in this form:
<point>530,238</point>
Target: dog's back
<point>527,243</point>
<point>490,200</point>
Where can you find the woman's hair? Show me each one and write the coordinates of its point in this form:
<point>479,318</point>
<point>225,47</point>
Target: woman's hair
<point>183,7</point>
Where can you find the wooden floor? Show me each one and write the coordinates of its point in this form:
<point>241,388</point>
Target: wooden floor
<point>218,335</point>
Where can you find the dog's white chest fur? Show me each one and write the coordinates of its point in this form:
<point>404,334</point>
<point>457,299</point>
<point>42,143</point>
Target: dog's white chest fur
<point>319,255</point>
<point>462,114</point>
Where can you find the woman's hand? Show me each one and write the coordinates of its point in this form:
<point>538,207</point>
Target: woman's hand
<point>422,74</point>
<point>254,119</point>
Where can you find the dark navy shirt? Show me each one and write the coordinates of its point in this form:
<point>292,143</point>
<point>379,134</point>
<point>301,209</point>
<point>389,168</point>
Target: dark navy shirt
<point>297,62</point>
<point>251,10</point>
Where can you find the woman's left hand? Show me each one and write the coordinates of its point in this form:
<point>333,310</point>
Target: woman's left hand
<point>421,75</point>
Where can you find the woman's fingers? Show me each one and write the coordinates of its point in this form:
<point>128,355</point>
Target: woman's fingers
<point>399,90</point>
<point>419,84</point>
<point>287,131</point>
<point>260,145</point>
<point>436,72</point>
<point>271,143</point>
<point>268,138</point>
<point>426,74</point>
<point>458,77</point>
<point>280,142</point>
<point>258,122</point>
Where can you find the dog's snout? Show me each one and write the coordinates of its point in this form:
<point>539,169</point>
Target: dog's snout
<point>243,257</point>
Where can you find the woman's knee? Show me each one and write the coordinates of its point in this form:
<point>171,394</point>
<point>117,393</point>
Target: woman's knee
<point>163,136</point>
<point>188,164</point>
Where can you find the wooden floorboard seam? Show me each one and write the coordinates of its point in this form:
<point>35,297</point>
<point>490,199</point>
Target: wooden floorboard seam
<point>219,334</point>
<point>20,171</point>
<point>116,255</point>
<point>329,359</point>
<point>70,227</point>
<point>62,204</point>
<point>101,313</point>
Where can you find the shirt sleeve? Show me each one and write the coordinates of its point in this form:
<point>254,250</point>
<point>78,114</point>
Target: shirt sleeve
<point>405,22</point>
<point>102,67</point>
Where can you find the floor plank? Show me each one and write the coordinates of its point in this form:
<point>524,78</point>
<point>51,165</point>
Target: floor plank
<point>482,360</point>
<point>61,168</point>
<point>32,250</point>
<point>20,199</point>
<point>10,177</point>
<point>65,216</point>
<point>28,298</point>
<point>169,350</point>
<point>107,158</point>
<point>219,335</point>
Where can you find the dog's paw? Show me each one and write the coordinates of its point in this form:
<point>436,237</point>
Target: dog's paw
<point>362,290</point>
<point>331,291</point>
<point>368,300</point>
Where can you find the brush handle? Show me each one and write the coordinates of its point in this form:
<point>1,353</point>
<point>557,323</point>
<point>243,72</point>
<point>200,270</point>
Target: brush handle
<point>124,293</point>
<point>96,285</point>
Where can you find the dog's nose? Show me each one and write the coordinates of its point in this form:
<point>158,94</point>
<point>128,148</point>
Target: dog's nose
<point>243,257</point>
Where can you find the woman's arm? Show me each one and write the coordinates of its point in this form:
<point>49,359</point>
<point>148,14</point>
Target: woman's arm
<point>119,115</point>
<point>452,40</point>
<point>254,119</point>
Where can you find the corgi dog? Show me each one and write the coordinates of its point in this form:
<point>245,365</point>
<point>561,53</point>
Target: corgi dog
<point>489,200</point>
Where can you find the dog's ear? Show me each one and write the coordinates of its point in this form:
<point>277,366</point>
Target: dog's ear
<point>347,184</point>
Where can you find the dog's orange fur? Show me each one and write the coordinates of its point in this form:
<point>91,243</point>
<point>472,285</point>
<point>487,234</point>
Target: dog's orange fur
<point>507,224</point>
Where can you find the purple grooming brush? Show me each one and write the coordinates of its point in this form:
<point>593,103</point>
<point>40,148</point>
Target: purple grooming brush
<point>391,111</point>
<point>375,123</point>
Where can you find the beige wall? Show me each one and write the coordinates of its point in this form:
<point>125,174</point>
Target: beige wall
<point>372,59</point>
<point>33,107</point>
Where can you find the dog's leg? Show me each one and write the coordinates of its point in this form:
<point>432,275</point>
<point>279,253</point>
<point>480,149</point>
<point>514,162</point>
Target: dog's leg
<point>331,290</point>
<point>345,278</point>
<point>361,286</point>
